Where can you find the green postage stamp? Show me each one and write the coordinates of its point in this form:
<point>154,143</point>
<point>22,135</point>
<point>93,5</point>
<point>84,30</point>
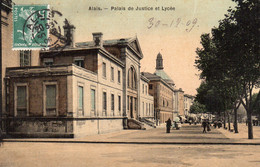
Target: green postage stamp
<point>30,27</point>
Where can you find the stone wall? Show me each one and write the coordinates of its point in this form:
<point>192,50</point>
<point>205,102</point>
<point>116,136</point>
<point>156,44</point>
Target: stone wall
<point>85,127</point>
<point>39,127</point>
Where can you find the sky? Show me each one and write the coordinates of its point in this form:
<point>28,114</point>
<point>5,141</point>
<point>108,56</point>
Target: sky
<point>172,27</point>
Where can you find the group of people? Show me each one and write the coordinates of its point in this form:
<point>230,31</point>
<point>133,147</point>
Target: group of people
<point>169,124</point>
<point>205,125</point>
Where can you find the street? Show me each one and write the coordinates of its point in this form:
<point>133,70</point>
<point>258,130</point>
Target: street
<point>17,153</point>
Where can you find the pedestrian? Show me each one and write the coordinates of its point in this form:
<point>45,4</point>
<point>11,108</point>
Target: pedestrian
<point>208,126</point>
<point>219,123</point>
<point>168,125</point>
<point>215,124</point>
<point>204,125</point>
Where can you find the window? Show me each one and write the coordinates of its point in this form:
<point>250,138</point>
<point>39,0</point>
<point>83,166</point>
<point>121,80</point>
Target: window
<point>48,61</point>
<point>104,103</point>
<point>21,102</point>
<point>25,58</point>
<point>79,62</point>
<point>150,86</point>
<point>104,70</point>
<point>119,104</point>
<point>143,108</point>
<point>119,77</point>
<point>93,100</point>
<point>50,100</point>
<point>146,109</point>
<point>143,88</point>
<point>146,89</point>
<point>112,102</point>
<point>128,102</point>
<point>112,73</point>
<point>80,101</point>
<point>132,78</point>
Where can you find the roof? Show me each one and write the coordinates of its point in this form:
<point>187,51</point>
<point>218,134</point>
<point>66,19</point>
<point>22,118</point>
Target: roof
<point>163,75</point>
<point>153,77</point>
<point>128,42</point>
<point>144,78</point>
<point>105,42</point>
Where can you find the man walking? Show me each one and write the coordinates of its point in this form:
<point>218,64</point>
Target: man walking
<point>168,125</point>
<point>204,124</point>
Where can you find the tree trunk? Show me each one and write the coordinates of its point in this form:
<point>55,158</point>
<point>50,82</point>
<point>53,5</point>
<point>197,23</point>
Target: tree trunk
<point>228,121</point>
<point>235,121</point>
<point>249,124</point>
<point>224,122</point>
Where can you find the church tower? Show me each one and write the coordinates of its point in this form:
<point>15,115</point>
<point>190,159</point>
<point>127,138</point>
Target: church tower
<point>159,62</point>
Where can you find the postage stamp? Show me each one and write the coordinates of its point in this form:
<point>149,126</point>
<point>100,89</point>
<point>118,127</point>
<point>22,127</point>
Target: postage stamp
<point>35,28</point>
<point>28,29</point>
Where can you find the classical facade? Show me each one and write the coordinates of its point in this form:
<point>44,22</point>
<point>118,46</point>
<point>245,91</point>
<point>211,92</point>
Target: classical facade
<point>87,88</point>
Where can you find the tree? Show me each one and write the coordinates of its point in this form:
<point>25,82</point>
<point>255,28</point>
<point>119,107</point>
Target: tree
<point>244,46</point>
<point>231,54</point>
<point>256,101</point>
<point>197,108</point>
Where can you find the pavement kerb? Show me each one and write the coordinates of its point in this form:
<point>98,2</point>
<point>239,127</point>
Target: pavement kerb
<point>116,142</point>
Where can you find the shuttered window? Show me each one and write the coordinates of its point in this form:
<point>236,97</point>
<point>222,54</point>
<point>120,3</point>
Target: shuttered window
<point>51,100</point>
<point>21,100</point>
<point>93,101</point>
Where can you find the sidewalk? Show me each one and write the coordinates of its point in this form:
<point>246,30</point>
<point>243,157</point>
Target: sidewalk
<point>188,134</point>
<point>242,136</point>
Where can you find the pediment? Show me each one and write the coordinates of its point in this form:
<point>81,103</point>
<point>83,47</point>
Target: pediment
<point>134,44</point>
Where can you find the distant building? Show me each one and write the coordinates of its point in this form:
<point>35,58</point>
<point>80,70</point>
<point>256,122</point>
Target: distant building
<point>162,93</point>
<point>179,101</point>
<point>161,86</point>
<point>188,101</point>
<point>146,100</point>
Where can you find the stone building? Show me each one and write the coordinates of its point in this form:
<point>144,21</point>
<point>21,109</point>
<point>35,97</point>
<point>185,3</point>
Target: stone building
<point>161,86</point>
<point>188,101</point>
<point>162,93</point>
<point>87,88</point>
<point>11,58</point>
<point>169,102</point>
<point>146,100</point>
<point>179,102</point>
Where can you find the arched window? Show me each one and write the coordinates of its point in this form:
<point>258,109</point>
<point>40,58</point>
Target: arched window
<point>163,103</point>
<point>132,78</point>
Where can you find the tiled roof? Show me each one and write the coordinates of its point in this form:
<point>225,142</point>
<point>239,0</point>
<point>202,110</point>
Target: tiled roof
<point>163,75</point>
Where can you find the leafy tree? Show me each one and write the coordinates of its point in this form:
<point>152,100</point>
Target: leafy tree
<point>197,108</point>
<point>230,58</point>
<point>256,101</point>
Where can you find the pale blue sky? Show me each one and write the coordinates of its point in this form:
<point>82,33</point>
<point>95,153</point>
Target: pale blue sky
<point>176,45</point>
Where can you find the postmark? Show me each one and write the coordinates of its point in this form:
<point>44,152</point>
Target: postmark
<point>36,27</point>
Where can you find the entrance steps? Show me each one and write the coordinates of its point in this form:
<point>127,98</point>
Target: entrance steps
<point>135,124</point>
<point>147,122</point>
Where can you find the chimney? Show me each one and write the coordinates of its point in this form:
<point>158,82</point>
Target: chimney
<point>97,38</point>
<point>69,33</point>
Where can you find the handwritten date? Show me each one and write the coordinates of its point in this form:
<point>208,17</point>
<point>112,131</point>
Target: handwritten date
<point>174,23</point>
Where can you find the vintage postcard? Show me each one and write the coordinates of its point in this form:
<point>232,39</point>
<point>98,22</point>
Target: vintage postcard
<point>113,83</point>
